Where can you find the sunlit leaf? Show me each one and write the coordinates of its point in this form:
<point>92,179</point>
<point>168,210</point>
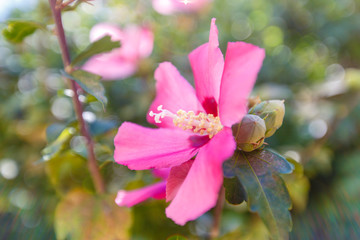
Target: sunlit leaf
<point>90,83</point>
<point>61,142</point>
<point>67,171</point>
<point>84,216</point>
<point>266,192</point>
<point>298,185</point>
<point>102,45</point>
<point>54,131</point>
<point>17,30</point>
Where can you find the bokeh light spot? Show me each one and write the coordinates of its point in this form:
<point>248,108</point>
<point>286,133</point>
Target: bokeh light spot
<point>8,168</point>
<point>273,36</point>
<point>318,128</point>
<point>62,108</point>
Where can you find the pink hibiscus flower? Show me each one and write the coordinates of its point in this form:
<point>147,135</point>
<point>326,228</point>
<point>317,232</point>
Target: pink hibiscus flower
<point>157,191</point>
<point>194,136</point>
<point>168,7</point>
<point>136,44</point>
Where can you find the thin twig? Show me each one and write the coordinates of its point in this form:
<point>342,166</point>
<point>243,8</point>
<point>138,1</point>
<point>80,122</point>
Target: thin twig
<point>215,230</point>
<point>94,170</point>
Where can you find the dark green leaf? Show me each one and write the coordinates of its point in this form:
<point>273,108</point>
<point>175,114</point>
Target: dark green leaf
<point>18,30</point>
<point>90,83</point>
<point>229,169</point>
<point>265,190</point>
<point>99,127</point>
<point>100,46</point>
<point>234,191</point>
<point>277,162</point>
<point>84,216</point>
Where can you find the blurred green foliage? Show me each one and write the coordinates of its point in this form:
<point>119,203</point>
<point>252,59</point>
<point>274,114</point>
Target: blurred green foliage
<point>312,62</point>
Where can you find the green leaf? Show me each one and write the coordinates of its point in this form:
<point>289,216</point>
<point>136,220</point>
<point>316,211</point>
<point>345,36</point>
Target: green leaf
<point>102,45</point>
<point>234,191</point>
<point>18,30</point>
<point>54,131</point>
<point>265,190</point>
<point>84,216</point>
<point>68,171</point>
<point>61,143</point>
<point>90,83</point>
<point>298,185</point>
<point>99,127</point>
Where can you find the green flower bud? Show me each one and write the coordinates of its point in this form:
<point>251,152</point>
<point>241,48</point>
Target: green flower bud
<point>250,133</point>
<point>272,112</point>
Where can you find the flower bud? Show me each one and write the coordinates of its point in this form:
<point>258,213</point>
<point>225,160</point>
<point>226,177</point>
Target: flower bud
<point>250,133</point>
<point>272,112</point>
<point>252,101</point>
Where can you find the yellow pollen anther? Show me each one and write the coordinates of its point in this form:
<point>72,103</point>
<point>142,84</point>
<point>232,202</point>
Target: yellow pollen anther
<point>203,124</point>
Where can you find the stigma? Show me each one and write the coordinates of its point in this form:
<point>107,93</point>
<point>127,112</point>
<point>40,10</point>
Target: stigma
<point>202,123</point>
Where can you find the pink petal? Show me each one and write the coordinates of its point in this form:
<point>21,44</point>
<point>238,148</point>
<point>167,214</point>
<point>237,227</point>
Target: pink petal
<point>131,198</point>
<point>199,191</point>
<point>161,173</point>
<point>207,63</point>
<point>102,29</point>
<point>110,66</point>
<point>176,178</point>
<point>137,43</point>
<point>147,42</point>
<point>173,92</point>
<point>242,64</point>
<point>167,7</point>
<point>142,148</point>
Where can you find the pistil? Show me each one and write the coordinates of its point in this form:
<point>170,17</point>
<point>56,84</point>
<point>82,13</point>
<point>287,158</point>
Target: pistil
<point>202,123</point>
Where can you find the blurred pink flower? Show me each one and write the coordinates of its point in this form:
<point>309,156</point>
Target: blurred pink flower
<point>136,43</point>
<point>157,191</point>
<point>194,136</point>
<point>167,7</point>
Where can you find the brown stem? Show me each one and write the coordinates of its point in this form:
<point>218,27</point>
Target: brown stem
<point>94,170</point>
<point>215,230</point>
